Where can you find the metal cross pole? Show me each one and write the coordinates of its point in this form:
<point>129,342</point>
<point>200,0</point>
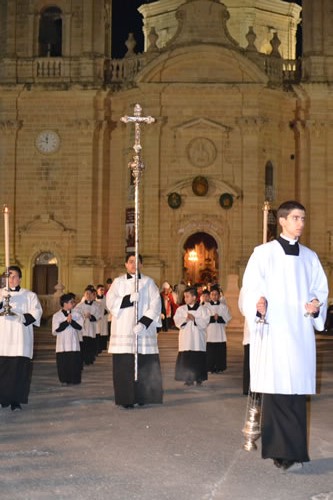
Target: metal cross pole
<point>137,167</point>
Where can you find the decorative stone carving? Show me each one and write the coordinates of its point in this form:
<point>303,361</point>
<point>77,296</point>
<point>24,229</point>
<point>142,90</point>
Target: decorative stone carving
<point>201,152</point>
<point>130,44</point>
<point>275,43</point>
<point>251,38</point>
<point>10,126</point>
<point>152,37</point>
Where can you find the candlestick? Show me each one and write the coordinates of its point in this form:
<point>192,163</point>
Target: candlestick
<point>6,225</point>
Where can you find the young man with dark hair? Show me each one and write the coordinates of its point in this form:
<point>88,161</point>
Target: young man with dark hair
<point>284,285</point>
<point>120,301</point>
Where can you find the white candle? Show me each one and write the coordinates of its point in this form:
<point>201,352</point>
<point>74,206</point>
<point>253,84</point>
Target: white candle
<point>6,224</point>
<point>265,222</point>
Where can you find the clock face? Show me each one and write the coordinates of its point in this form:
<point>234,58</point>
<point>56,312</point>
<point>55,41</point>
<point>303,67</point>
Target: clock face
<point>48,141</point>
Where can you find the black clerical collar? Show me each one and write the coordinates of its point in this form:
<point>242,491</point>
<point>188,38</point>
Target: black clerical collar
<point>15,289</point>
<point>288,247</point>
<point>88,302</point>
<point>66,313</point>
<point>194,307</point>
<point>100,296</point>
<point>214,303</point>
<point>129,276</point>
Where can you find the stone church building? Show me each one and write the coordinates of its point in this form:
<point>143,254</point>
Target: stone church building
<point>239,121</point>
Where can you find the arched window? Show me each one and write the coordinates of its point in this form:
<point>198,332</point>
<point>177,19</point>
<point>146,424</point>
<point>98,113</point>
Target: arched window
<point>269,182</point>
<point>50,33</point>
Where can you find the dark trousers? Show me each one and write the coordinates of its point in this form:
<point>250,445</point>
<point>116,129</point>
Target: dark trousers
<point>284,427</point>
<point>246,369</point>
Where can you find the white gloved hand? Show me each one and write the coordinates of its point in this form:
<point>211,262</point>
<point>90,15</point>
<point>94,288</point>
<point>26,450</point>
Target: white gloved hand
<point>16,317</point>
<point>134,297</point>
<point>138,328</point>
<point>4,293</point>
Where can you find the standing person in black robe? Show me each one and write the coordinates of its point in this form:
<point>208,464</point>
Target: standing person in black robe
<point>120,301</point>
<point>66,325</point>
<point>17,341</point>
<point>284,284</point>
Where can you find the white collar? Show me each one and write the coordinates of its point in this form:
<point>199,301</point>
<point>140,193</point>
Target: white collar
<point>291,241</point>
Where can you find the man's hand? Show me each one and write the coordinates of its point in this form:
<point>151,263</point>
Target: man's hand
<point>312,307</point>
<point>138,328</point>
<point>262,306</point>
<point>134,297</point>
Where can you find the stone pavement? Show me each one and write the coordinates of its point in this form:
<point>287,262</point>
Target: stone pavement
<point>74,443</point>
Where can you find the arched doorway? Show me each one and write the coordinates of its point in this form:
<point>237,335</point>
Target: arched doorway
<point>45,274</point>
<point>200,259</point>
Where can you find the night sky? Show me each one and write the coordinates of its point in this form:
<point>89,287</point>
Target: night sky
<point>126,19</point>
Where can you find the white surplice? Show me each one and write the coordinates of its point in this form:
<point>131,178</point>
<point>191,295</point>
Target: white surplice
<point>283,352</point>
<point>16,339</point>
<point>123,318</point>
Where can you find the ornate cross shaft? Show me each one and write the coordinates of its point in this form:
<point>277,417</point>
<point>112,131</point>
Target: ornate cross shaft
<point>137,167</point>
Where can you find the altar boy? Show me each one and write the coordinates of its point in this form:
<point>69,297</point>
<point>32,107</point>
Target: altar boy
<point>192,319</point>
<point>66,325</point>
<point>216,335</point>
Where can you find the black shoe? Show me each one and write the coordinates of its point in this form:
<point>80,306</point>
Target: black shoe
<point>199,382</point>
<point>188,382</point>
<point>4,405</point>
<point>128,407</point>
<point>290,465</point>
<point>16,407</point>
<point>278,462</point>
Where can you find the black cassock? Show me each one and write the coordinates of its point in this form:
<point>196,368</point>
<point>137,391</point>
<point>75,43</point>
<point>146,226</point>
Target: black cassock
<point>147,389</point>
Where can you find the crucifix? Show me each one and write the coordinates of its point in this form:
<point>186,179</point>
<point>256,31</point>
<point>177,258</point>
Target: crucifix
<point>137,167</point>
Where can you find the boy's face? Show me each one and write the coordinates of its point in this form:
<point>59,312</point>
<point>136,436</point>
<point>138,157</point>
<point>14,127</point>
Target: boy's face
<point>205,297</point>
<point>88,295</point>
<point>214,295</point>
<point>189,298</point>
<point>100,290</point>
<point>68,306</point>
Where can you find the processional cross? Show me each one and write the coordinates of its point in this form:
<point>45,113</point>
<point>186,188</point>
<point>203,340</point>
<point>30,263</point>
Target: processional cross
<point>137,167</point>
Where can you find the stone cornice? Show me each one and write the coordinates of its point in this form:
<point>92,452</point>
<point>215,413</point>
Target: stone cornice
<point>8,127</point>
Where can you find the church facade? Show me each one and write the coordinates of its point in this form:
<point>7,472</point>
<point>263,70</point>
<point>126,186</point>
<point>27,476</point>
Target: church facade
<point>239,121</point>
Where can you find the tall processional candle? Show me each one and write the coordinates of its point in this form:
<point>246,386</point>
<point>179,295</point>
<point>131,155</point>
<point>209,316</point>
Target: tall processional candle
<point>6,230</point>
<point>265,208</point>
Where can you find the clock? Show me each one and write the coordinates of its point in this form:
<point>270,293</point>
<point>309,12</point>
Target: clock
<point>48,141</point>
